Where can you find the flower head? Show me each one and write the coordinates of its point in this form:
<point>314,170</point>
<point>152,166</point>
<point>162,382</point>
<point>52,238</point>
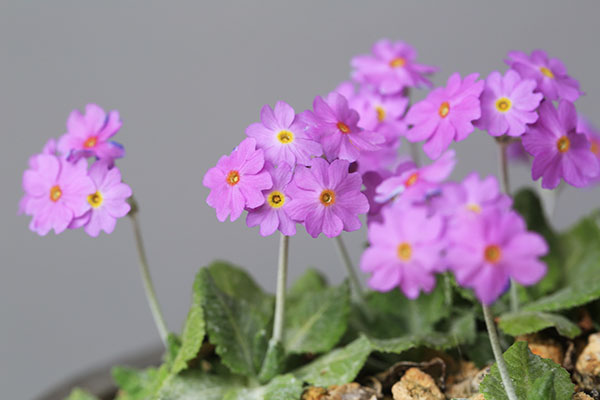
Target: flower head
<point>550,74</point>
<point>508,104</point>
<point>88,134</point>
<point>281,134</point>
<point>405,251</point>
<point>273,214</point>
<point>49,149</point>
<point>391,67</point>
<point>446,114</point>
<point>57,192</point>
<point>558,150</point>
<point>381,114</point>
<point>327,198</point>
<point>486,251</point>
<point>371,180</point>
<point>592,133</point>
<point>336,126</point>
<point>237,181</point>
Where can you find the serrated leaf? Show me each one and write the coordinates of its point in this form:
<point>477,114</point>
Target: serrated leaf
<point>80,394</point>
<point>524,322</point>
<point>273,362</point>
<point>193,331</point>
<point>525,368</point>
<point>542,388</point>
<point>285,387</point>
<point>311,281</point>
<point>569,297</point>
<point>338,366</point>
<point>315,321</point>
<point>191,384</point>
<point>136,384</point>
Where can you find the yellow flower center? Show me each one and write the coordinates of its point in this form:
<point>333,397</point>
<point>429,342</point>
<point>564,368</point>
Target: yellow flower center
<point>55,193</point>
<point>503,104</point>
<point>563,144</point>
<point>444,109</point>
<point>380,113</point>
<point>595,147</point>
<point>546,72</point>
<point>276,199</point>
<point>492,253</point>
<point>285,137</point>
<point>327,197</point>
<point>233,178</point>
<point>476,208</point>
<point>404,251</point>
<point>412,179</point>
<point>398,62</point>
<point>90,142</point>
<point>343,127</point>
<point>95,199</point>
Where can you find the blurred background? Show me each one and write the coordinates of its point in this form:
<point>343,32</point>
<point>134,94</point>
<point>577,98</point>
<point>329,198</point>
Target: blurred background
<point>188,77</point>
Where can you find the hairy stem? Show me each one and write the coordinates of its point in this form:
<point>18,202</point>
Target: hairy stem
<point>354,281</point>
<point>282,268</point>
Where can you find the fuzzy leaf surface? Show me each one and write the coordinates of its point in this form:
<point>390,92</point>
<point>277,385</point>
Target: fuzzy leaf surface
<point>524,322</point>
<point>284,387</point>
<point>194,384</point>
<point>311,281</point>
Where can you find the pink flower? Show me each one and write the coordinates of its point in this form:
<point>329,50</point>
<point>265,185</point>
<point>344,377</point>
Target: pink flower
<point>550,74</point>
<point>558,150</point>
<point>381,114</point>
<point>88,135</point>
<point>486,251</point>
<point>57,192</point>
<point>281,134</point>
<point>412,184</point>
<point>508,104</point>
<point>50,149</point>
<point>327,198</point>
<point>405,251</point>
<point>371,180</point>
<point>593,135</point>
<point>108,202</point>
<point>516,152</point>
<point>273,214</point>
<point>336,126</point>
<point>237,181</point>
<point>391,67</point>
<point>446,114</point>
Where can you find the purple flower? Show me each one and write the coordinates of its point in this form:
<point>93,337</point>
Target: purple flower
<point>371,180</point>
<point>237,181</point>
<point>336,126</point>
<point>273,214</point>
<point>57,192</point>
<point>592,133</point>
<point>50,149</point>
<point>486,251</point>
<point>508,104</point>
<point>281,134</point>
<point>391,67</point>
<point>381,114</point>
<point>446,114</point>
<point>405,251</point>
<point>327,198</point>
<point>558,150</point>
<point>108,202</point>
<point>516,152</point>
<point>88,135</point>
<point>550,74</point>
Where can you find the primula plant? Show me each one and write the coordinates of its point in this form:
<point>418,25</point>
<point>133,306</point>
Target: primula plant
<point>458,271</point>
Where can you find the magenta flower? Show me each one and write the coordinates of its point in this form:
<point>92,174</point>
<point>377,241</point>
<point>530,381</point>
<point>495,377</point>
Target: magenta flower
<point>336,126</point>
<point>558,150</point>
<point>516,152</point>
<point>592,133</point>
<point>281,134</point>
<point>508,104</point>
<point>57,192</point>
<point>108,202</point>
<point>237,181</point>
<point>381,114</point>
<point>273,214</point>
<point>550,74</point>
<point>411,184</point>
<point>405,251</point>
<point>371,180</point>
<point>50,149</point>
<point>88,135</point>
<point>391,67</point>
<point>446,114</point>
<point>327,198</point>
<point>486,251</point>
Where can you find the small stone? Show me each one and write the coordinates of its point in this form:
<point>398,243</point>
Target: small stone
<point>466,382</point>
<point>545,348</point>
<point>478,396</point>
<point>582,396</point>
<point>416,385</point>
<point>588,364</point>
<point>314,393</point>
<point>351,391</point>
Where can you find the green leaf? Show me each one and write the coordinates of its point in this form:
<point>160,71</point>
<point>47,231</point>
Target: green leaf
<point>526,370</point>
<point>542,388</point>
<point>315,321</point>
<point>273,362</point>
<point>194,384</point>
<point>311,281</point>
<point>79,394</point>
<point>523,322</point>
<point>236,322</point>
<point>285,387</point>
<point>338,366</point>
<point>138,384</point>
<point>193,331</point>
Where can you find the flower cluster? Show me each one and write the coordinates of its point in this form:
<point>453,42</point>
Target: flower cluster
<point>73,182</point>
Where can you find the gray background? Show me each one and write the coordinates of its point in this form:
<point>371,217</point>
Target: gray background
<point>188,78</point>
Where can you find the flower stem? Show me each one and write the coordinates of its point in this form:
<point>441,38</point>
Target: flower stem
<point>493,335</point>
<point>354,281</point>
<point>503,143</point>
<point>414,153</point>
<point>281,286</point>
<point>159,320</point>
